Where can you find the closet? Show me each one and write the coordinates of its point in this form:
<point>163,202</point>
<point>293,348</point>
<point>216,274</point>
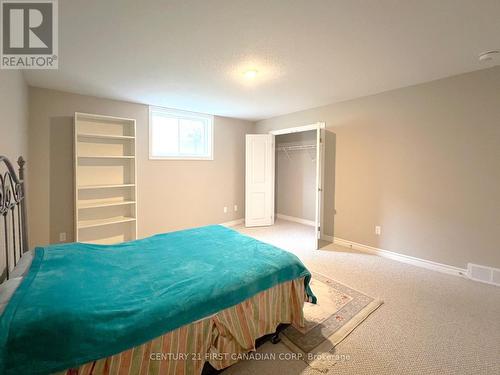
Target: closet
<point>290,174</point>
<point>295,177</point>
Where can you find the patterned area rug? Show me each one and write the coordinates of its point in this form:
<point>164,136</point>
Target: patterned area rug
<point>340,309</point>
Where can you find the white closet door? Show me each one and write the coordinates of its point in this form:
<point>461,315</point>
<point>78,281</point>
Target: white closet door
<point>259,180</point>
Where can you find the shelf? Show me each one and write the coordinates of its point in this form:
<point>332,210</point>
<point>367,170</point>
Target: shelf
<point>101,222</point>
<point>88,187</point>
<point>91,116</point>
<point>105,241</point>
<point>106,157</point>
<point>105,136</point>
<point>105,204</point>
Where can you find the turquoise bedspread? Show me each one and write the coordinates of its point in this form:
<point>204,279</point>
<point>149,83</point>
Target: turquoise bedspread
<point>82,302</point>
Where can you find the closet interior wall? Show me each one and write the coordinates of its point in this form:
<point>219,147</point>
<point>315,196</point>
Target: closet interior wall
<point>296,175</point>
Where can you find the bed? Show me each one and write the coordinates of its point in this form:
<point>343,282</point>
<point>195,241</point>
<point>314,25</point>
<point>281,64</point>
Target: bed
<point>166,304</point>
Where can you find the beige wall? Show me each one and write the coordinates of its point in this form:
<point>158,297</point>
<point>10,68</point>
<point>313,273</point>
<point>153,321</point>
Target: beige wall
<point>296,177</point>
<point>171,194</point>
<point>13,126</point>
<point>423,162</point>
<point>14,114</point>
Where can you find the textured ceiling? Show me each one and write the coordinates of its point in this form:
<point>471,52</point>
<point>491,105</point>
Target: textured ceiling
<point>191,54</point>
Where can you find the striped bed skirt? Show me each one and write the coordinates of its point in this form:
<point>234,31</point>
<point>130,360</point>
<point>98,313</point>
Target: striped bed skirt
<point>220,339</point>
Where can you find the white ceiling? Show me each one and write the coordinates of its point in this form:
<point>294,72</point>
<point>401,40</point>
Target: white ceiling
<point>190,54</point>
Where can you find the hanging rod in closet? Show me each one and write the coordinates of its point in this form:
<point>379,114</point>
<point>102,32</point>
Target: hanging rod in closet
<point>296,147</point>
<point>288,148</point>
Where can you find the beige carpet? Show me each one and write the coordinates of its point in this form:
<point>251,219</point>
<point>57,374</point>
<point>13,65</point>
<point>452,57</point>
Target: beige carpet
<point>430,323</point>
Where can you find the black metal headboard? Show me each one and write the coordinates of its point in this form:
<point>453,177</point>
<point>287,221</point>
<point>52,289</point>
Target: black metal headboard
<point>13,225</point>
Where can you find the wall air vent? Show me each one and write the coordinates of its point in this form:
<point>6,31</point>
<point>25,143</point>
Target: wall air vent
<point>483,274</point>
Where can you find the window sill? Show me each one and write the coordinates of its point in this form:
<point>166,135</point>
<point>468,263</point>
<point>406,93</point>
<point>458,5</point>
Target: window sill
<point>208,158</point>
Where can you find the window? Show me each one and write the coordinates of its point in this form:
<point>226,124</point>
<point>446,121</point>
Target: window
<point>180,135</point>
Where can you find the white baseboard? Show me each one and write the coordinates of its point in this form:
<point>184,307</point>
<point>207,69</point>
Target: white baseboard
<point>296,219</point>
<point>440,267</point>
<point>233,223</point>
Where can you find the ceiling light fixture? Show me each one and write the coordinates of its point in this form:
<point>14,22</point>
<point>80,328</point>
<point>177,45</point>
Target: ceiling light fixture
<point>489,55</point>
<point>250,74</point>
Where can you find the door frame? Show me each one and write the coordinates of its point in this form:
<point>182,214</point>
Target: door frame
<point>298,129</point>
<point>320,167</point>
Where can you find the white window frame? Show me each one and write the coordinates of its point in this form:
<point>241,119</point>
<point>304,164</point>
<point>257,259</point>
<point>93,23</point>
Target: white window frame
<point>209,119</point>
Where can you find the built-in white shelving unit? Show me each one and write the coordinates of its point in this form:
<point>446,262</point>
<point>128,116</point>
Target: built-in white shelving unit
<point>105,179</point>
